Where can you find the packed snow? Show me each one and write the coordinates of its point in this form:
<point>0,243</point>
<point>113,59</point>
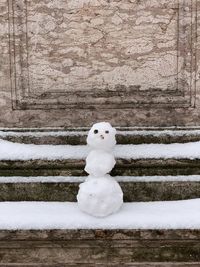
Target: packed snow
<point>80,179</point>
<point>101,140</point>
<point>100,195</point>
<point>83,132</point>
<point>42,133</point>
<point>102,136</point>
<point>16,151</point>
<point>167,178</point>
<point>99,162</point>
<point>42,179</point>
<point>157,133</point>
<point>184,214</point>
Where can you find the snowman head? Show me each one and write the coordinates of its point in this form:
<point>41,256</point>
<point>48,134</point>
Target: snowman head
<point>102,136</point>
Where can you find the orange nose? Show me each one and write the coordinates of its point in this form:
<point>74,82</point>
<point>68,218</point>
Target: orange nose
<point>102,137</point>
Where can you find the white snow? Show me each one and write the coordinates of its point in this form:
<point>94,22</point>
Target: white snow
<point>41,134</point>
<point>42,179</point>
<point>189,150</point>
<point>169,178</point>
<point>158,133</point>
<point>83,132</point>
<point>158,128</point>
<point>16,151</point>
<point>80,179</point>
<point>184,214</point>
<point>99,163</point>
<point>100,196</point>
<point>102,136</point>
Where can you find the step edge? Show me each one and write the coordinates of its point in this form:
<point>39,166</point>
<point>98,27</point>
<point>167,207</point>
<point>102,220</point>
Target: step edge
<point>129,132</point>
<point>79,179</point>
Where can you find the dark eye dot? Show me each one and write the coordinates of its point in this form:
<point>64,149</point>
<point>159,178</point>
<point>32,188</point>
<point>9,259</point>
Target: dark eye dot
<point>106,132</point>
<point>95,131</point>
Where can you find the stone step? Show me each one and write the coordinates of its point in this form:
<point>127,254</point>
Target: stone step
<point>66,160</point>
<point>124,167</point>
<point>59,233</point>
<point>145,264</point>
<point>102,248</point>
<point>78,136</point>
<point>137,264</point>
<point>66,188</point>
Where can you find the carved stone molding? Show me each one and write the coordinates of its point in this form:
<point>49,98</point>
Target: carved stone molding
<point>81,81</point>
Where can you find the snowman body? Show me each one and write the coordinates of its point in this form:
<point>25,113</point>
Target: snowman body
<point>100,195</point>
<point>99,162</point>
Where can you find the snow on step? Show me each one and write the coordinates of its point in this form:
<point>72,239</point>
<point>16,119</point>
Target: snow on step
<point>159,133</point>
<point>80,179</point>
<point>66,215</point>
<point>83,132</point>
<point>51,133</point>
<point>16,151</point>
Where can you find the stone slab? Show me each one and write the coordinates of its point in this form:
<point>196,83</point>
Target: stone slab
<point>145,264</point>
<point>164,247</point>
<point>121,54</point>
<point>124,167</point>
<point>133,191</point>
<point>78,136</point>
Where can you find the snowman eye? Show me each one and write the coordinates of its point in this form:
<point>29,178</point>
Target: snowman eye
<point>95,131</point>
<point>107,132</point>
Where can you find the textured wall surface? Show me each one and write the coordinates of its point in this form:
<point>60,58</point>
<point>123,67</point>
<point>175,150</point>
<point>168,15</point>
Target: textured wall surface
<point>71,63</point>
<point>89,248</point>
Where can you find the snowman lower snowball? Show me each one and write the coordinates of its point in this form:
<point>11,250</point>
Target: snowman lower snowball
<point>100,195</point>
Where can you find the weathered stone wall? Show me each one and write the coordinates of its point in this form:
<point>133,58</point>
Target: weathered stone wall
<point>70,63</point>
<point>112,248</point>
<point>92,248</point>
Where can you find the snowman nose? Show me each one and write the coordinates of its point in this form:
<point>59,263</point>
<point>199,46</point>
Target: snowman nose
<point>102,137</point>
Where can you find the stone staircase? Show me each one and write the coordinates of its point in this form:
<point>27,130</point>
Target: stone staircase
<point>141,180</point>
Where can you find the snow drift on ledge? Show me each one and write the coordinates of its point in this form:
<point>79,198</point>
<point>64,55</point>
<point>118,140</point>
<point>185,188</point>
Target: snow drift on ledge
<point>80,179</point>
<point>16,151</point>
<point>184,214</point>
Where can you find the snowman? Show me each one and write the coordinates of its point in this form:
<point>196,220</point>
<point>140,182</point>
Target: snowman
<point>100,195</point>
